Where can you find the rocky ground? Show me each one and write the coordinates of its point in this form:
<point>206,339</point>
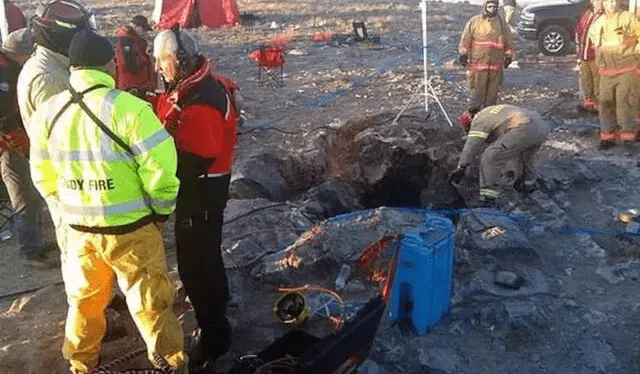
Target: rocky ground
<point>327,144</point>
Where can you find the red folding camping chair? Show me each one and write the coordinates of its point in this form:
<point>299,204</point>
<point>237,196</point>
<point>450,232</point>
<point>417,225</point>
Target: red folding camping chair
<point>270,59</point>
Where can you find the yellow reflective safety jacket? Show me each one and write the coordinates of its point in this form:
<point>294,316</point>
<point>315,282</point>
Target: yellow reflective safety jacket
<point>615,37</point>
<point>89,180</point>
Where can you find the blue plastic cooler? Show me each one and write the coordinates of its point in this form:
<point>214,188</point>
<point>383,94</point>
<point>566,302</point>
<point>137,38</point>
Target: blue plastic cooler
<point>421,290</point>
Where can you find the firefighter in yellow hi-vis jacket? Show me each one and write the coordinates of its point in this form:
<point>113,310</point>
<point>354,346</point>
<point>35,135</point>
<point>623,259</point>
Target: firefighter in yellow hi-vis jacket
<point>107,169</point>
<point>615,35</point>
<point>486,47</point>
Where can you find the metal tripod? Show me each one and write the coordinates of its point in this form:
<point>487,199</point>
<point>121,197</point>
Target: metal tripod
<point>429,92</point>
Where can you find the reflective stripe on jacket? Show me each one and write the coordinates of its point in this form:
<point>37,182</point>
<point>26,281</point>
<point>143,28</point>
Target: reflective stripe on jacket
<point>491,123</point>
<point>88,178</point>
<point>486,40</point>
<point>616,39</point>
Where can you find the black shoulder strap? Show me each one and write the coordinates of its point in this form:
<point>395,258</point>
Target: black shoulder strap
<point>76,98</point>
<point>67,105</point>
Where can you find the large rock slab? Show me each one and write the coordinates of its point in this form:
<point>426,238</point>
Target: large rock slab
<point>258,177</point>
<point>329,199</point>
<point>279,174</point>
<point>334,241</point>
<point>256,227</point>
<point>492,232</point>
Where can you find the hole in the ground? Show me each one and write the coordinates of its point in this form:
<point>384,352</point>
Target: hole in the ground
<point>364,163</point>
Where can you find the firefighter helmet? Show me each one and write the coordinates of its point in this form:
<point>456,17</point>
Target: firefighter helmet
<point>57,21</point>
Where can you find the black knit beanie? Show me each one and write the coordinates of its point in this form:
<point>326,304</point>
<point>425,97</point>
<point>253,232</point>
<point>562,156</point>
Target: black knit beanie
<point>88,49</point>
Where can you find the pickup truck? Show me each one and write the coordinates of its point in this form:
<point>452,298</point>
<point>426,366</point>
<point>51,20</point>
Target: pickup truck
<point>553,24</point>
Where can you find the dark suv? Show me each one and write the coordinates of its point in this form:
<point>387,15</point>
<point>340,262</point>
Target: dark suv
<point>552,24</point>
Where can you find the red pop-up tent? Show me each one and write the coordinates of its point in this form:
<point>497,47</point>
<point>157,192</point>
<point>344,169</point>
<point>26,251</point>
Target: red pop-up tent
<point>11,18</point>
<point>194,13</point>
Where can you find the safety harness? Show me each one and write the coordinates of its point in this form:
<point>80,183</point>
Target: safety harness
<point>76,98</point>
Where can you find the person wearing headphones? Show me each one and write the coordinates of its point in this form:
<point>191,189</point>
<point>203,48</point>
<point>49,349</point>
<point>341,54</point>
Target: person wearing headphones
<point>198,110</point>
<point>514,136</point>
<point>134,67</point>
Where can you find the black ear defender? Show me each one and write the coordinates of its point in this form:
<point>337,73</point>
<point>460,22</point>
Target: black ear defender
<point>182,55</point>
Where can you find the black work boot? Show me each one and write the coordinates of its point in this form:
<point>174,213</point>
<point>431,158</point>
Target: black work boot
<point>526,186</point>
<point>206,349</point>
<point>487,202</point>
<point>606,144</point>
<point>199,361</point>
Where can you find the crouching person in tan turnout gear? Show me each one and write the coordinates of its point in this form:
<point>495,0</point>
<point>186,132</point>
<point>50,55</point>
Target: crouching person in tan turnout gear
<point>514,136</point>
<point>615,35</point>
<point>107,167</point>
<point>486,47</point>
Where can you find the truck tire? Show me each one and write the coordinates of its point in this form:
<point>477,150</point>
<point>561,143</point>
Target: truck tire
<point>554,40</point>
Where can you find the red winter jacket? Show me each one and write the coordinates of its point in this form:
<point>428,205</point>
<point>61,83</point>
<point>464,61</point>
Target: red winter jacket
<point>200,115</point>
<point>134,67</point>
<point>586,50</point>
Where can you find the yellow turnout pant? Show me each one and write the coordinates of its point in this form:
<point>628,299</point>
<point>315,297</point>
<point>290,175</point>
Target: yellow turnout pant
<point>90,263</point>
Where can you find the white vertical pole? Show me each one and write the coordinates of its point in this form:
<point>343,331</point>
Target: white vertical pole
<point>423,5</point>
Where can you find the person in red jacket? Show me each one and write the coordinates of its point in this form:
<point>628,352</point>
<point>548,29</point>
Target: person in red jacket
<point>198,111</point>
<point>586,56</point>
<point>134,66</point>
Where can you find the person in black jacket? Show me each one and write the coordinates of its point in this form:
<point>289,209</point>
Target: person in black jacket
<point>198,111</point>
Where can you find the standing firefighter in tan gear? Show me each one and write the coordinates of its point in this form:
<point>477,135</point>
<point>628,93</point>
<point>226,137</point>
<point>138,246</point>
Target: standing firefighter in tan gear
<point>615,35</point>
<point>514,136</point>
<point>486,47</point>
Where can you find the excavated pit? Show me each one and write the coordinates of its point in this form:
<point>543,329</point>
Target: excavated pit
<point>364,163</point>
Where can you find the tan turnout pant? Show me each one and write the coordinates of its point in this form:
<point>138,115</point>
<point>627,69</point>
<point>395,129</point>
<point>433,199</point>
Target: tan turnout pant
<point>484,87</point>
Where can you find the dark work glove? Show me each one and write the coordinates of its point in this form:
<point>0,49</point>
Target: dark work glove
<point>456,176</point>
<point>507,61</point>
<point>463,60</point>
